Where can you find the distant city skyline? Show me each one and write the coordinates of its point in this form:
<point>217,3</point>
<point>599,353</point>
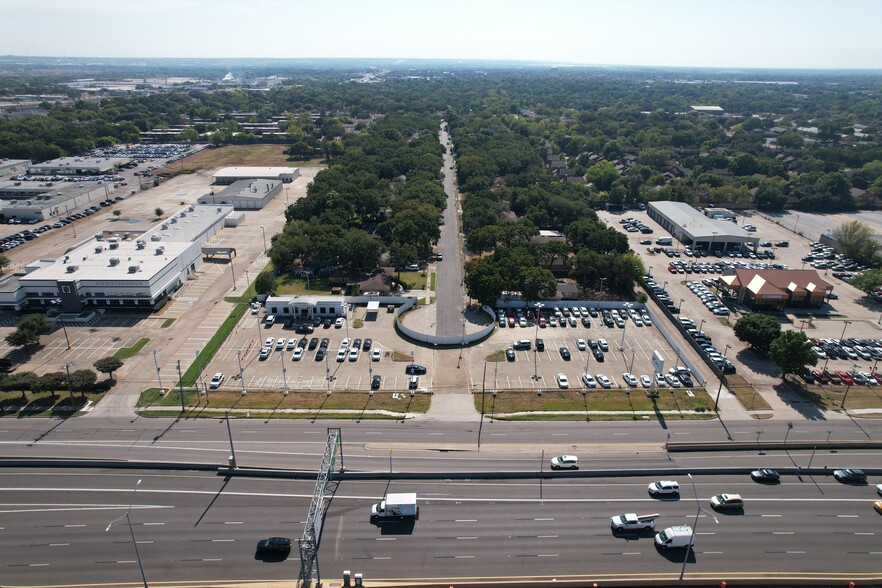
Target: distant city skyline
<point>811,34</point>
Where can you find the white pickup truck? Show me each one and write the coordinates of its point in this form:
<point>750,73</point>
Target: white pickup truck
<point>630,521</point>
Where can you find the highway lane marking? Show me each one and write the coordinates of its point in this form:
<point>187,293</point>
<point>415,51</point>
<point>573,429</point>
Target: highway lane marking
<point>782,532</point>
<point>222,540</point>
<point>212,559</point>
<point>706,533</point>
<point>549,519</point>
<point>73,526</point>
<point>385,538</point>
<point>463,557</point>
<point>865,533</point>
<point>794,552</point>
<point>711,552</point>
<point>58,544</point>
<point>546,536</point>
<point>381,558</point>
<point>771,515</point>
<point>464,538</point>
<point>151,524</point>
<point>848,516</point>
<point>82,508</point>
<point>546,555</point>
<point>234,523</point>
<point>465,521</point>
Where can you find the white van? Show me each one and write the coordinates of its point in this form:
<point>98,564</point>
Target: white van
<point>664,241</point>
<point>674,537</point>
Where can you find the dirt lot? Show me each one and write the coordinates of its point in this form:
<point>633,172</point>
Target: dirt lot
<point>269,155</point>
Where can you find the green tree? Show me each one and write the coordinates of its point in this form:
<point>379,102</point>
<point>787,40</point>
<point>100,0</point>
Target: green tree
<point>158,211</point>
<point>758,330</point>
<point>790,140</point>
<point>550,252</point>
<point>83,380</point>
<point>51,382</point>
<point>108,365</point>
<point>857,242</point>
<point>29,330</point>
<point>483,281</point>
<point>537,284</point>
<point>792,351</point>
<point>602,174</point>
<point>21,381</point>
<point>117,212</point>
<point>265,283</point>
<point>868,281</point>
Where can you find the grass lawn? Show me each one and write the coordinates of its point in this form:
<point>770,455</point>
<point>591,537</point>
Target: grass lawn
<point>746,394</point>
<point>127,352</point>
<point>289,285</point>
<point>43,404</point>
<point>243,156</point>
<point>275,401</point>
<point>573,400</point>
<point>830,396</point>
<point>414,280</point>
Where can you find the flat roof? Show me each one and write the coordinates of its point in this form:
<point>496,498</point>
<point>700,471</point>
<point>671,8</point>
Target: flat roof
<point>174,238</point>
<point>697,224</point>
<point>245,189</point>
<point>253,172</point>
<point>708,108</point>
<point>80,162</point>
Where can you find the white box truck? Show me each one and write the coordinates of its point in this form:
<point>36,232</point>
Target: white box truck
<point>396,506</point>
<point>674,537</point>
<point>664,241</point>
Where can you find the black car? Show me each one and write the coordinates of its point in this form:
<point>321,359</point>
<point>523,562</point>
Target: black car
<point>274,545</point>
<point>325,342</point>
<point>850,476</point>
<point>510,354</point>
<point>356,344</point>
<point>540,344</point>
<point>765,475</point>
<point>415,369</point>
<point>598,354</point>
<point>565,353</point>
<point>313,343</point>
<point>326,324</point>
<point>366,346</point>
<point>375,383</point>
<point>302,342</point>
<point>586,322</point>
<point>320,354</point>
<point>304,329</point>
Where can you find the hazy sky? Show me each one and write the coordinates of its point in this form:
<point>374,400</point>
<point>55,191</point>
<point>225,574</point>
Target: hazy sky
<point>730,33</point>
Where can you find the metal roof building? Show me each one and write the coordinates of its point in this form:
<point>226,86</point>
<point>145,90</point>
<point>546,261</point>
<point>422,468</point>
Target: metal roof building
<point>228,175</point>
<point>245,194</point>
<point>77,166</point>
<point>691,227</point>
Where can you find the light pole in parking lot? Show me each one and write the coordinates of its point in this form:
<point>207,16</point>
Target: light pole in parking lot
<point>844,326</point>
<point>539,307</point>
<point>701,324</point>
<point>241,371</point>
<point>630,367</point>
<point>284,371</point>
<point>720,389</point>
<point>181,387</point>
<point>158,377</point>
<point>57,302</point>
<point>848,387</point>
<point>126,516</point>
<point>694,525</point>
<point>264,238</point>
<point>681,305</point>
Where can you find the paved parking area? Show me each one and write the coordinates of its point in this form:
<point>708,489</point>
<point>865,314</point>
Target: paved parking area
<point>279,368</point>
<point>630,348</point>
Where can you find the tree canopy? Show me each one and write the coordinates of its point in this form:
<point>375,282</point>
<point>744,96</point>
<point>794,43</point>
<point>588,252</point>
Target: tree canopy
<point>758,330</point>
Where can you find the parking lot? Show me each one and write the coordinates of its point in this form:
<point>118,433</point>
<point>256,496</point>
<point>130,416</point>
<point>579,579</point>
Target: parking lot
<point>630,349</point>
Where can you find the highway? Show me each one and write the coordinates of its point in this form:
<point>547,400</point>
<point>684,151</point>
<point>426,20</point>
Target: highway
<point>193,526</point>
<point>367,445</point>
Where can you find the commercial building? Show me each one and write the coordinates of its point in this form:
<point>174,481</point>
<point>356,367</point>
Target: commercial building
<point>13,166</point>
<point>305,307</point>
<point>229,175</point>
<point>245,194</point>
<point>127,271</point>
<point>29,200</point>
<point>77,166</point>
<point>690,227</point>
<point>777,289</point>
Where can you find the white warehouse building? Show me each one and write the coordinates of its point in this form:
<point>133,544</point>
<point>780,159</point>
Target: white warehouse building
<point>691,227</point>
<point>228,175</point>
<point>139,272</point>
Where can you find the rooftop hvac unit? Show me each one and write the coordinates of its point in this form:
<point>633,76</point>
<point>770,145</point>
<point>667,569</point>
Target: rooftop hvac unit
<point>72,268</point>
<point>192,208</point>
<point>183,214</point>
<point>114,261</point>
<point>160,250</point>
<point>139,244</point>
<point>99,249</point>
<point>113,244</point>
<point>155,238</point>
<point>133,269</point>
<point>164,226</point>
<point>173,220</point>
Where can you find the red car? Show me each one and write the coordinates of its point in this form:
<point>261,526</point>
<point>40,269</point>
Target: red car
<point>845,377</point>
<point>672,269</point>
<point>820,377</point>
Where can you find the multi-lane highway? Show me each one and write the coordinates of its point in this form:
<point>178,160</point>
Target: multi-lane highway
<point>450,446</point>
<point>194,526</point>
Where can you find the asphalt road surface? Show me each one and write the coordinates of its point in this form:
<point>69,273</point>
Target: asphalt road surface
<point>448,284</point>
<point>428,445</point>
<point>199,527</point>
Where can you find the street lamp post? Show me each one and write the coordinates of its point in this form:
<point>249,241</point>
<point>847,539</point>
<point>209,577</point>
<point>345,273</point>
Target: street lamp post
<point>630,367</point>
<point>158,377</point>
<point>181,387</point>
<point>787,433</point>
<point>694,526</point>
<point>847,388</point>
<point>701,324</point>
<point>241,371</point>
<point>57,302</point>
<point>844,326</point>
<point>680,307</point>
<point>720,389</point>
<point>128,519</point>
<point>284,371</point>
<point>539,307</point>
<point>602,280</point>
<point>263,230</point>
<point>69,383</point>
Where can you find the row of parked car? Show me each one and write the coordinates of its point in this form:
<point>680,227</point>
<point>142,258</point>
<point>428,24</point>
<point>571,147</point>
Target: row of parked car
<point>824,257</point>
<point>633,225</point>
<point>661,294</point>
<point>851,349</point>
<point>710,300</point>
<point>706,344</point>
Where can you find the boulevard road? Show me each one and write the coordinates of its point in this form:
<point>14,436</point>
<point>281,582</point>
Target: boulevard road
<point>194,526</point>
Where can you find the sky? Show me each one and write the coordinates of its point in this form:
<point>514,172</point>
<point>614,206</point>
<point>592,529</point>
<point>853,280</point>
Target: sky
<point>710,33</point>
